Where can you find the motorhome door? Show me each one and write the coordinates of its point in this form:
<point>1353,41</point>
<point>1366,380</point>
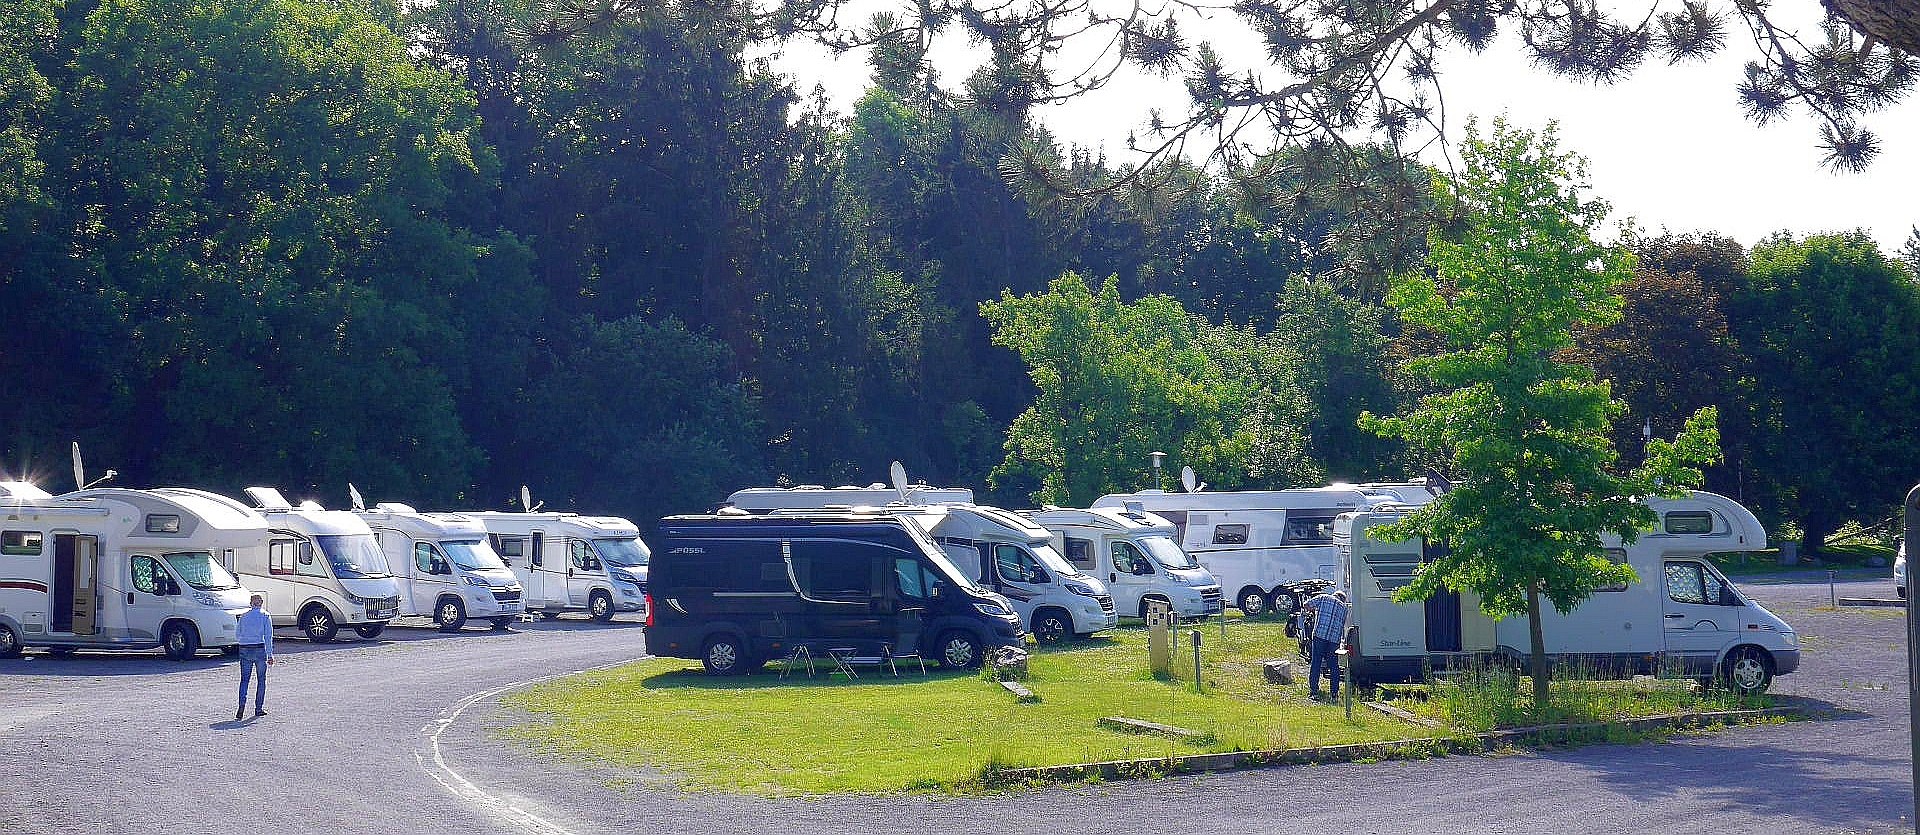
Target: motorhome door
<point>583,566</point>
<point>1702,612</point>
<point>1443,609</point>
<point>76,568</point>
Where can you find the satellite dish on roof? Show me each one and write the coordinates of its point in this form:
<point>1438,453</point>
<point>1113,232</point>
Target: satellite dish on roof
<point>79,472</point>
<point>353,494</point>
<point>1189,482</point>
<point>526,500</point>
<point>898,472</point>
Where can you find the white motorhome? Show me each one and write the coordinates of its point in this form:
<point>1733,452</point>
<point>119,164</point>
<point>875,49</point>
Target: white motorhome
<point>320,571</point>
<point>445,567</point>
<point>1002,551</point>
<point>1257,542</point>
<point>572,563</point>
<point>1138,554</point>
<point>115,568</point>
<point>1681,615</point>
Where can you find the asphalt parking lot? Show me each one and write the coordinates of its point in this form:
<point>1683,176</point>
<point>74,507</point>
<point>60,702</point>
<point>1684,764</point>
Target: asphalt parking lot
<point>140,744</point>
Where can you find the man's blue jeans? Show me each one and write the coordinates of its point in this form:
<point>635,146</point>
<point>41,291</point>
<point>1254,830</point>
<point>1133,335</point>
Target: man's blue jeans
<point>1323,657</point>
<point>252,659</point>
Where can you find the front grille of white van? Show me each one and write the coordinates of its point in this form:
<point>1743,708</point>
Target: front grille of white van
<point>1106,603</point>
<point>1211,596</point>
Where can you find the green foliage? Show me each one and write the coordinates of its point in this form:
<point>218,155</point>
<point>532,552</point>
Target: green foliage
<point>1118,381</point>
<point>1524,433</point>
<point>1819,311</point>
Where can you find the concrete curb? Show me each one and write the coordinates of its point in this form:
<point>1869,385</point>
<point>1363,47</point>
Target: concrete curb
<point>1874,601</point>
<point>1392,749</point>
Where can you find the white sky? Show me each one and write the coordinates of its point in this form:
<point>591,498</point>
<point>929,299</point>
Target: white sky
<point>1669,148</point>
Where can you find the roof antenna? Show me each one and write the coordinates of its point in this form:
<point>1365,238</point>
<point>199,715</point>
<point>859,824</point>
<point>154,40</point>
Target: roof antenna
<point>353,493</point>
<point>526,500</point>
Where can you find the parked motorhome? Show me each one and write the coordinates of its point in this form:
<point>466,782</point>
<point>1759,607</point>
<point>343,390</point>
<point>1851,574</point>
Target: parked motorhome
<point>321,569</point>
<point>1257,542</point>
<point>1138,554</point>
<point>735,591</point>
<point>445,567</point>
<point>1001,551</point>
<point>571,563</point>
<point>115,568</point>
<point>1682,615</point>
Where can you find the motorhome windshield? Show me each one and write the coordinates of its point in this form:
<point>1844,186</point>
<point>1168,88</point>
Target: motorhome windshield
<point>939,558</point>
<point>1052,560</point>
<point>354,556</point>
<point>472,554</point>
<point>1164,551</point>
<point>629,553</point>
<point>200,571</point>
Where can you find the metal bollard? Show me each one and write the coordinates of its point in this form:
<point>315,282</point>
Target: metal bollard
<point>1196,661</point>
<point>1833,598</point>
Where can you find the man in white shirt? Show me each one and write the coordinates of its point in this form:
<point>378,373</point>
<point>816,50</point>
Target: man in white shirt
<point>256,653</point>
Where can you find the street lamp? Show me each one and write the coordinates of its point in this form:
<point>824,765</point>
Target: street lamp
<point>1158,458</point>
<point>1646,438</point>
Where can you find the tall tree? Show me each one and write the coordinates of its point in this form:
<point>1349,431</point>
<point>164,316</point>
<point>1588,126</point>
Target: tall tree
<point>1820,311</point>
<point>1524,432</point>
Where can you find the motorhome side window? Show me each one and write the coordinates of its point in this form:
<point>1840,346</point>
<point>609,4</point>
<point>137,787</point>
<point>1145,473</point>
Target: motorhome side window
<point>1128,559</point>
<point>915,580</point>
<point>148,576</point>
<point>1080,552</point>
<point>423,557</point>
<point>282,554</point>
<point>1306,529</point>
<point>163,523</point>
<point>1230,534</point>
<point>1691,582</point>
<point>583,557</point>
<point>21,543</point>
<point>509,548</point>
<point>1016,565</point>
<point>1617,556</point>
<point>1689,521</point>
<point>309,563</point>
<point>835,570</point>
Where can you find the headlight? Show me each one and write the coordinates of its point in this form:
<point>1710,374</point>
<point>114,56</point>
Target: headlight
<point>994,609</point>
<point>205,599</point>
<point>1081,589</point>
<point>472,580</point>
<point>355,599</point>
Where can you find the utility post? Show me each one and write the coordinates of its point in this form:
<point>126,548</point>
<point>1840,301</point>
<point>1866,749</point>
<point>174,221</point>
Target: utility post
<point>1158,459</point>
<point>1912,512</point>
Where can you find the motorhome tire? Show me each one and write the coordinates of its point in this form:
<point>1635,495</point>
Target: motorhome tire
<point>9,642</point>
<point>1748,670</point>
<point>180,640</point>
<point>1253,602</point>
<point>1050,626</point>
<point>1283,603</point>
<point>319,624</point>
<point>370,631</point>
<point>500,624</point>
<point>724,655</point>
<point>600,606</point>
<point>451,614</point>
<point>960,650</point>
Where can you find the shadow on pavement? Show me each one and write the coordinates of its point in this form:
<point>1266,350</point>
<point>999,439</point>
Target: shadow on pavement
<point>1771,780</point>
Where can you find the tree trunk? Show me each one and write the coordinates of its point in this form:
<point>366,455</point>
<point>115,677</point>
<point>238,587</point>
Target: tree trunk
<point>1541,673</point>
<point>1814,535</point>
<point>1895,23</point>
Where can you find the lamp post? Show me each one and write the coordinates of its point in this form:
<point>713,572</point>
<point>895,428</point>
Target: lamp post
<point>1646,438</point>
<point>1158,459</point>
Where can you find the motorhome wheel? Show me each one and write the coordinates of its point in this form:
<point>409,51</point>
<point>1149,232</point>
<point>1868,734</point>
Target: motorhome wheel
<point>723,656</point>
<point>451,613</point>
<point>1051,627</point>
<point>1253,603</point>
<point>959,650</point>
<point>370,631</point>
<point>180,640</point>
<point>1749,670</point>
<point>318,623</point>
<point>1284,603</point>
<point>600,606</point>
<point>501,623</point>
<point>9,642</point>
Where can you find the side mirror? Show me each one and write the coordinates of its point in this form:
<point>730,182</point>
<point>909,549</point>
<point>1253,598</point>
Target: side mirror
<point>1039,577</point>
<point>173,587</point>
<point>440,567</point>
<point>1142,570</point>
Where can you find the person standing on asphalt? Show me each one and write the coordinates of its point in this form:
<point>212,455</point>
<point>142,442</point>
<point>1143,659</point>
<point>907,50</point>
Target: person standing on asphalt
<point>1329,626</point>
<point>256,653</point>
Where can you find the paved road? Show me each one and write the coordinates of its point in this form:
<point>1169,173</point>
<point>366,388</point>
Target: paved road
<point>135,744</point>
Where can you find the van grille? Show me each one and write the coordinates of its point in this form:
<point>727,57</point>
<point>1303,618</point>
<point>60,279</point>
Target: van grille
<point>1211,596</point>
<point>384,607</point>
<point>506,596</point>
<point>1106,603</point>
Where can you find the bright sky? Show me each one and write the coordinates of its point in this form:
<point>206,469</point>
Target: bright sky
<point>1669,148</point>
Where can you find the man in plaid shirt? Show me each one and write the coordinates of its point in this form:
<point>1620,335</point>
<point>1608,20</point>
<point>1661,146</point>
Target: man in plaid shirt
<point>1329,626</point>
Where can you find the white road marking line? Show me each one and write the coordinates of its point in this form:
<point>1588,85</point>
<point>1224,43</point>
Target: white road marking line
<point>434,761</point>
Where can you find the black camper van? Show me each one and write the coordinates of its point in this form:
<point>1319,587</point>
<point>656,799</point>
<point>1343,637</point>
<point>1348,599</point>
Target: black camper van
<point>738,591</point>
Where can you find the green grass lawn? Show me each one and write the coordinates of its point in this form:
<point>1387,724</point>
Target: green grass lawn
<point>764,735</point>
